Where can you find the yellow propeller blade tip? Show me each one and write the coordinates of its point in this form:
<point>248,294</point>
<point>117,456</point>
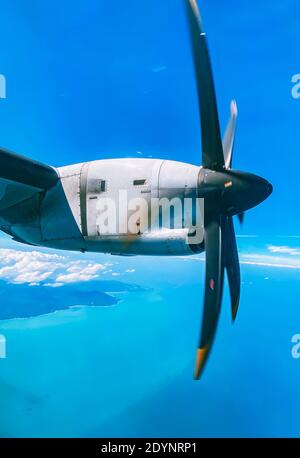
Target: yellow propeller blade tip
<point>234,311</point>
<point>201,357</point>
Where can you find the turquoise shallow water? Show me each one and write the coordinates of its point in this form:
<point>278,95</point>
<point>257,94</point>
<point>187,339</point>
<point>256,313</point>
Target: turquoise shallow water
<point>126,370</point>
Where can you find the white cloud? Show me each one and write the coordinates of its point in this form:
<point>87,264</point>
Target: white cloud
<point>32,277</point>
<point>130,271</point>
<point>34,267</point>
<point>268,260</point>
<point>54,285</point>
<point>279,256</point>
<point>77,272</point>
<point>284,250</point>
<point>28,266</point>
<point>75,278</point>
<point>272,264</point>
<point>90,269</point>
<point>107,272</point>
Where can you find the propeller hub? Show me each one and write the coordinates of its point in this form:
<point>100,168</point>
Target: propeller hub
<point>238,191</point>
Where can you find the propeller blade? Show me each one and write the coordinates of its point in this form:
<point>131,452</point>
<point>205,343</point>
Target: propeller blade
<point>232,267</point>
<point>241,217</point>
<point>212,149</point>
<point>214,279</point>
<point>228,141</point>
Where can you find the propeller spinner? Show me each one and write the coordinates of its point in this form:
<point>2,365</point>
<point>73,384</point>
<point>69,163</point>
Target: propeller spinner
<point>229,193</point>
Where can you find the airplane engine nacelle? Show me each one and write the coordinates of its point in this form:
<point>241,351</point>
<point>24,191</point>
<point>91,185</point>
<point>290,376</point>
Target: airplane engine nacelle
<point>165,242</point>
<point>107,206</point>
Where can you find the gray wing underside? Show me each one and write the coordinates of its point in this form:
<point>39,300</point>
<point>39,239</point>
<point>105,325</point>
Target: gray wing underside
<point>22,178</point>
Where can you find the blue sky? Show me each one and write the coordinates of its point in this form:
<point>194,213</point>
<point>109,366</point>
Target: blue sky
<point>94,79</point>
<point>90,80</point>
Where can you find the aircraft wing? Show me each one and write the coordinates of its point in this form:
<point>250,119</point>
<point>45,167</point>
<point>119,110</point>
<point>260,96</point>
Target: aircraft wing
<point>21,178</point>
